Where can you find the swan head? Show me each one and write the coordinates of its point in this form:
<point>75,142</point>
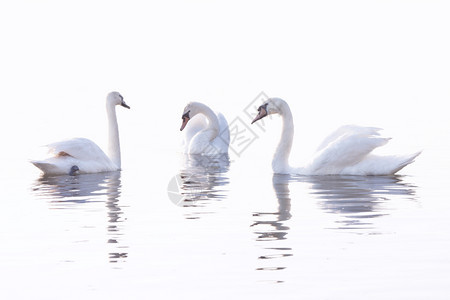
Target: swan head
<point>116,98</point>
<point>191,109</point>
<point>271,106</point>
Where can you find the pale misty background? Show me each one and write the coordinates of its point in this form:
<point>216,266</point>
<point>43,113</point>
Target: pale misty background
<point>375,63</point>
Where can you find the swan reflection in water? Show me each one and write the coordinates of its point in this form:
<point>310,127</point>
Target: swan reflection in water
<point>202,179</point>
<point>357,201</point>
<point>77,192</point>
<point>271,228</point>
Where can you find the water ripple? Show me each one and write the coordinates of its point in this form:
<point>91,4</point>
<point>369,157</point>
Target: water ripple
<point>355,200</point>
<point>201,181</point>
<point>272,231</point>
<point>358,200</point>
<point>85,193</point>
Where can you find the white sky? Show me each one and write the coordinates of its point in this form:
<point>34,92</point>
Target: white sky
<point>378,63</point>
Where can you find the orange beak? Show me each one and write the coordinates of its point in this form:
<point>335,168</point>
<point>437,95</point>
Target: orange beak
<point>262,112</point>
<point>185,121</point>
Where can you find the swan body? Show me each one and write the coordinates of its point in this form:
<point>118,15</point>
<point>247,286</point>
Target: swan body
<point>207,133</point>
<point>80,155</point>
<point>347,151</point>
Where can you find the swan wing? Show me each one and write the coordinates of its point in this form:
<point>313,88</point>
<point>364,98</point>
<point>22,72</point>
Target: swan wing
<point>222,141</point>
<point>349,129</point>
<point>80,149</point>
<point>346,148</point>
<point>80,152</point>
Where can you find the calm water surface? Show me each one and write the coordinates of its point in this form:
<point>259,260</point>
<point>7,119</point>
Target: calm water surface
<point>205,229</point>
<point>171,227</point>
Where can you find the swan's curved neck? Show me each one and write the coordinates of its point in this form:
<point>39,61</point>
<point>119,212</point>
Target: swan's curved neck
<point>213,121</point>
<point>113,135</point>
<point>280,162</point>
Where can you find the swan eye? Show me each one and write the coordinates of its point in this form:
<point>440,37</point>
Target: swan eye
<point>186,115</point>
<point>263,106</point>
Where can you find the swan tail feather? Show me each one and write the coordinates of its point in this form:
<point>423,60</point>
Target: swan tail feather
<point>55,166</point>
<point>375,165</point>
<point>405,161</point>
<point>45,167</point>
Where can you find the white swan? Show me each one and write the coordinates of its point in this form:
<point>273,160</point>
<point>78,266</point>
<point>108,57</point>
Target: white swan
<point>80,155</point>
<point>210,136</point>
<point>347,151</point>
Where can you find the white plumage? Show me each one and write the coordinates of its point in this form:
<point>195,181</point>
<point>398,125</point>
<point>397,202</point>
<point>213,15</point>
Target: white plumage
<point>207,132</point>
<point>347,151</point>
<point>84,154</point>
